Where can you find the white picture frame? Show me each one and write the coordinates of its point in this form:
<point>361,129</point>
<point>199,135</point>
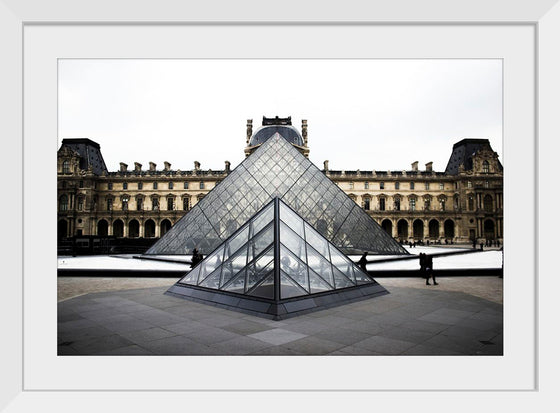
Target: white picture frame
<point>15,16</point>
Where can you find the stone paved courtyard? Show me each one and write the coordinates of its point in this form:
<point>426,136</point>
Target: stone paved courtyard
<point>461,316</point>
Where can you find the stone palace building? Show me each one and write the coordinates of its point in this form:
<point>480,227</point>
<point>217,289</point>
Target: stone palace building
<point>460,204</point>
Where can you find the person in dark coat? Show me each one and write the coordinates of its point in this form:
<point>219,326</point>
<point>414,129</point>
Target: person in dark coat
<point>430,270</point>
<point>363,261</point>
<point>422,259</point>
<point>196,258</point>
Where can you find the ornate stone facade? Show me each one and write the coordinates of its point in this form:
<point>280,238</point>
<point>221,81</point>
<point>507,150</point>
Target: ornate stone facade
<point>463,203</point>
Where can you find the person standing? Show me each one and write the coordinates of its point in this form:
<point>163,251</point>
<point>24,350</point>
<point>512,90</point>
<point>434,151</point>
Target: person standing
<point>430,270</point>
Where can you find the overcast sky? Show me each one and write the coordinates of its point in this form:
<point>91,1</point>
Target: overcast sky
<point>362,114</point>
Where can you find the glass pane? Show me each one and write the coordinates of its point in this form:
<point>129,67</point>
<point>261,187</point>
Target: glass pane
<point>237,284</point>
<point>319,243</point>
<point>192,277</point>
<point>254,275</point>
<point>342,263</point>
<point>317,284</point>
<point>211,263</point>
<point>294,243</point>
<point>236,242</point>
<point>320,265</point>
<point>265,289</point>
<point>340,280</point>
<point>261,242</point>
<point>289,288</point>
<point>263,219</point>
<point>361,277</point>
<point>213,280</point>
<point>291,219</point>
<point>292,266</point>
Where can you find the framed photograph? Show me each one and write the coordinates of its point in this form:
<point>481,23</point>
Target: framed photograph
<point>35,37</point>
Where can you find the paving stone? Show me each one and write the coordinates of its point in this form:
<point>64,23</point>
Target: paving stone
<point>75,325</point>
<point>275,351</point>
<point>426,326</point>
<point>342,335</point>
<point>149,334</point>
<point>385,345</point>
<point>406,334</point>
<point>177,345</point>
<point>133,350</point>
<point>124,326</point>
<point>313,346</point>
<point>68,316</point>
<point>306,327</point>
<point>429,350</point>
<point>247,327</point>
<point>184,327</point>
<point>354,351</point>
<point>84,334</point>
<point>211,335</point>
<point>277,336</point>
<point>241,345</point>
<point>96,345</point>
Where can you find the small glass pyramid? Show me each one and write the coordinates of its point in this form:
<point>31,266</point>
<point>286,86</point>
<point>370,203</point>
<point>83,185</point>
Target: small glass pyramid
<point>276,169</point>
<point>276,257</point>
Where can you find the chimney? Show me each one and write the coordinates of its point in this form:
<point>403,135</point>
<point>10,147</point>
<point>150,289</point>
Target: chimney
<point>137,166</point>
<point>152,166</point>
<point>249,129</point>
<point>167,166</point>
<point>304,131</point>
<point>414,165</point>
<point>326,165</point>
<point>123,167</point>
<point>196,166</point>
<point>228,166</point>
<point>429,167</point>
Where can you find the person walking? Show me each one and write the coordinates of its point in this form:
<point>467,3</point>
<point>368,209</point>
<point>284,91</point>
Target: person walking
<point>363,261</point>
<point>196,258</point>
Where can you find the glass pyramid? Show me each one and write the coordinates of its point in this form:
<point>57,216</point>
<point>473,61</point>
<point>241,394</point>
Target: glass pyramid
<point>276,169</point>
<point>274,257</point>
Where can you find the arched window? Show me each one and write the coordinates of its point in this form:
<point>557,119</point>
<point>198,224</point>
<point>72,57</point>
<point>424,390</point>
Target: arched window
<point>485,167</point>
<point>63,203</point>
<point>66,167</point>
<point>367,202</point>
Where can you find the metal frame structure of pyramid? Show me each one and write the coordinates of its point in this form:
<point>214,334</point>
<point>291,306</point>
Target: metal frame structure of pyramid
<point>276,169</point>
<point>276,266</point>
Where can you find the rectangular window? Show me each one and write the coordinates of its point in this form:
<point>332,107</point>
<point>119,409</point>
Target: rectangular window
<point>382,204</point>
<point>366,185</point>
<point>397,185</point>
<point>469,184</point>
<point>125,204</point>
<point>427,186</point>
<point>110,204</point>
<point>155,204</point>
<point>81,184</point>
<point>366,204</point>
<point>397,204</point>
<point>140,185</point>
<point>155,185</point>
<point>185,204</point>
<point>381,185</point>
<point>441,185</point>
<point>412,185</point>
<point>139,204</point>
<point>413,204</point>
<point>80,204</point>
<point>170,185</point>
<point>202,185</point>
<point>109,186</point>
<point>186,185</point>
<point>170,204</point>
<point>125,185</point>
